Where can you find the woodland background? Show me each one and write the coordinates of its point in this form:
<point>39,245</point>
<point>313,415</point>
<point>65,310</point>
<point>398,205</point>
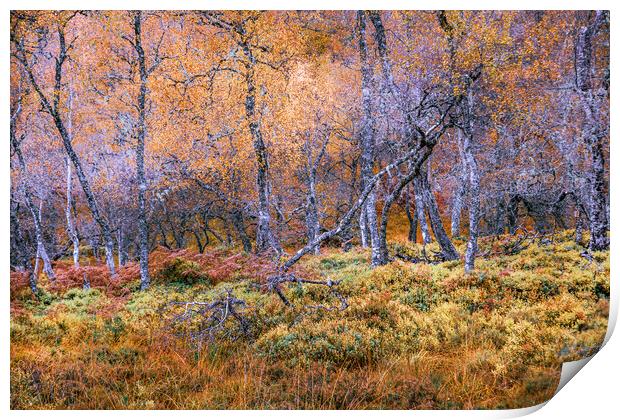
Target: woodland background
<point>288,188</point>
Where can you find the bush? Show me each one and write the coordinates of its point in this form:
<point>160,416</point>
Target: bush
<point>420,299</point>
<point>179,270</point>
<point>343,343</point>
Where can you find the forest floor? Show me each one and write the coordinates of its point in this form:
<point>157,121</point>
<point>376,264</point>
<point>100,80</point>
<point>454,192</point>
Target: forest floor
<point>422,336</point>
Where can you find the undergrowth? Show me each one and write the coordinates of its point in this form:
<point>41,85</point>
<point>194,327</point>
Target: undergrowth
<point>413,335</point>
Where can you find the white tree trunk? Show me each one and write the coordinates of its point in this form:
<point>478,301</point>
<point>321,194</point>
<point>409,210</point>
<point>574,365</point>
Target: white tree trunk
<point>70,225</point>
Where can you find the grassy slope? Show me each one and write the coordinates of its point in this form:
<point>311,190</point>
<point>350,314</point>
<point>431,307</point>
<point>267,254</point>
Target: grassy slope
<point>413,336</point>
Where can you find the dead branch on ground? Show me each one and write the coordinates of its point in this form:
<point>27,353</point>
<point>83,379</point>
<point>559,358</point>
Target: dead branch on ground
<point>274,283</point>
<point>207,321</point>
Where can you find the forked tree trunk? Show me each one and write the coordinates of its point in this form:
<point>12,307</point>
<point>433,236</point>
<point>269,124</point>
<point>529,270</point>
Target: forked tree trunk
<point>415,157</point>
<point>367,140</point>
<point>415,172</point>
<point>447,248</point>
<point>201,245</point>
<point>387,205</point>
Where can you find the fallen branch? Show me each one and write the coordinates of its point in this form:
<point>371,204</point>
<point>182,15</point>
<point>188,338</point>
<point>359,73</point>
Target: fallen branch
<point>208,321</point>
<point>417,159</point>
<point>522,242</point>
<point>274,283</point>
<point>438,257</point>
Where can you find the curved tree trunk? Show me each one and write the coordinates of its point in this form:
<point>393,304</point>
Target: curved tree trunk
<point>199,243</point>
<point>416,159</point>
<point>415,172</point>
<point>387,205</point>
<point>447,248</point>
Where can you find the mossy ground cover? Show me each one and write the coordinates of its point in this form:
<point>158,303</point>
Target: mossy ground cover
<point>413,335</point>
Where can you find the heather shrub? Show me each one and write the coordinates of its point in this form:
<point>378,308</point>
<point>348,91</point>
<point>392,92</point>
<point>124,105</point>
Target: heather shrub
<point>182,271</point>
<point>411,334</point>
<point>339,342</point>
<point>80,301</point>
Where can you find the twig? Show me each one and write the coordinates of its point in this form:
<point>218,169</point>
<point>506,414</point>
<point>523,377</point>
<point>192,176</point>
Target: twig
<point>274,283</point>
<point>212,319</point>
